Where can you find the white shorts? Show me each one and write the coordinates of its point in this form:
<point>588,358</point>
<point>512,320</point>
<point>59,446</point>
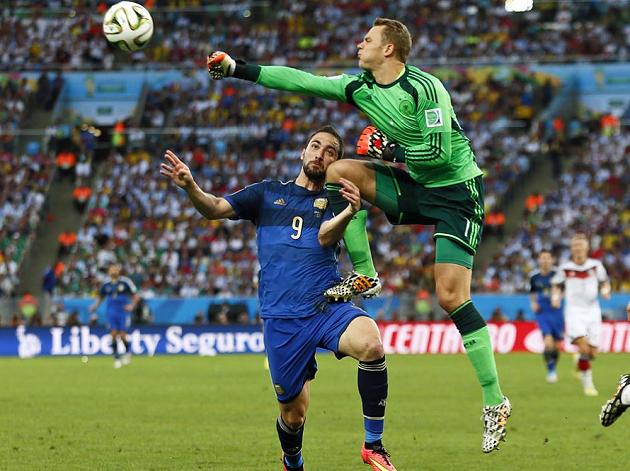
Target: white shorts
<point>582,324</point>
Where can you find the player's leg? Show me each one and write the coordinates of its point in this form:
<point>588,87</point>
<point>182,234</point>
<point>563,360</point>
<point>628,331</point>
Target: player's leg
<point>364,280</point>
<point>114,335</point>
<point>584,365</point>
<point>453,291</point>
<point>126,356</point>
<point>352,333</point>
<point>290,346</point>
<point>290,427</point>
<point>550,355</point>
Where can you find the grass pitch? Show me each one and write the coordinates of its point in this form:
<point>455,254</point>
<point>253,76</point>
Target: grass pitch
<point>191,413</point>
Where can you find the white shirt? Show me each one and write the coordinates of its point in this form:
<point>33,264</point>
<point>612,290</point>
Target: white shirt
<point>581,284</point>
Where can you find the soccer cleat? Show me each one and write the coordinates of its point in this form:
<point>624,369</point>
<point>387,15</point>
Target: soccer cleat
<point>613,408</point>
<point>117,364</point>
<point>552,377</point>
<point>353,285</point>
<point>494,420</point>
<point>377,458</point>
<point>590,391</point>
<point>126,358</point>
<point>286,468</point>
<point>220,65</point>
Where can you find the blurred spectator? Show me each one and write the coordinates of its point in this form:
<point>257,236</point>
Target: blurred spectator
<point>80,196</point>
<point>28,306</point>
<point>67,240</point>
<point>66,162</point>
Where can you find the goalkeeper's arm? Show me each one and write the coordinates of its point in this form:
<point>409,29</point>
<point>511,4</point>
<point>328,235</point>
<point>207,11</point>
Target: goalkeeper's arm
<point>221,65</point>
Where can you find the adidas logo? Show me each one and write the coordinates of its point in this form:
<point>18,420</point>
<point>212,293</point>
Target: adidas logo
<point>280,202</point>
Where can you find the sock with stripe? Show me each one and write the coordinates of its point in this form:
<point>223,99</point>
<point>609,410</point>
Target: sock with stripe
<point>372,381</point>
<point>355,237</point>
<point>291,443</point>
<point>551,359</point>
<point>478,346</point>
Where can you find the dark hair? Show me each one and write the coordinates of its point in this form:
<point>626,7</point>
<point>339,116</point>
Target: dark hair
<point>542,251</point>
<point>396,33</point>
<point>329,129</point>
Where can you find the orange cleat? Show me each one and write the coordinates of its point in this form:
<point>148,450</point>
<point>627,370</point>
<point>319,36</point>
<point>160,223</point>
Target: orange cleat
<point>378,459</point>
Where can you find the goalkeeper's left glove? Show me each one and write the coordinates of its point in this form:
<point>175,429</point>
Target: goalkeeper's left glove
<point>374,143</point>
<point>220,65</point>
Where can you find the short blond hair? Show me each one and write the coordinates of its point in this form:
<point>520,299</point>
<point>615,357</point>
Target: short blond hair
<point>396,33</point>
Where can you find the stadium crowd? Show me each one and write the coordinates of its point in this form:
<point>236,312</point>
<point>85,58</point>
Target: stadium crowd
<point>24,181</point>
<point>592,196</point>
<point>67,34</point>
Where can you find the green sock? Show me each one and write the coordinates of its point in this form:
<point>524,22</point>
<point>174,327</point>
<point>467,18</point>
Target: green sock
<point>476,337</point>
<point>355,237</point>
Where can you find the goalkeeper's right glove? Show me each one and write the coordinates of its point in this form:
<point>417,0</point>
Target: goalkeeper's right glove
<point>374,143</point>
<point>220,65</point>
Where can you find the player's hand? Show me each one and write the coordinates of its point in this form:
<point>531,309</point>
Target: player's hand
<point>605,291</point>
<point>220,65</point>
<point>374,143</point>
<point>351,194</point>
<point>176,170</point>
<point>628,310</point>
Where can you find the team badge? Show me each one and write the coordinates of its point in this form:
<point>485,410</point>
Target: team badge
<point>433,118</point>
<point>320,205</point>
<point>406,107</point>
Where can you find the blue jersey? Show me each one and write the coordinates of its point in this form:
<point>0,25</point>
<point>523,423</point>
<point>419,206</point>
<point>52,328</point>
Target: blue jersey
<point>118,294</point>
<point>295,269</point>
<point>540,285</point>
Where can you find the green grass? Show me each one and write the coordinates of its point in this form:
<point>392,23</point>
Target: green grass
<point>189,413</point>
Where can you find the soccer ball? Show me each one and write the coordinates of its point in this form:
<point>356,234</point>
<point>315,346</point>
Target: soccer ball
<point>128,26</point>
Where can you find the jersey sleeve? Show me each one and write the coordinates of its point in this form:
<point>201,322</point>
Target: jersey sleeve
<point>532,288</point>
<point>246,202</point>
<point>559,278</point>
<point>601,273</point>
<point>433,116</point>
<point>338,87</point>
<point>101,291</point>
<point>130,285</point>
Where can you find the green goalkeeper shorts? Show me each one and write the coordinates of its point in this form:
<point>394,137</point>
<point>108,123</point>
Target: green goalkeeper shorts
<point>456,210</point>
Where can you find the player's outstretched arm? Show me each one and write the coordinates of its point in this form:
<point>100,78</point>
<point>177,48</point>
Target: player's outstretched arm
<point>221,65</point>
<point>210,206</point>
<point>331,231</point>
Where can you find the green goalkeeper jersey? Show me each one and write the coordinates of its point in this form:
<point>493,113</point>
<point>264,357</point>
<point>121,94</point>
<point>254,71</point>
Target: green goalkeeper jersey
<point>414,111</point>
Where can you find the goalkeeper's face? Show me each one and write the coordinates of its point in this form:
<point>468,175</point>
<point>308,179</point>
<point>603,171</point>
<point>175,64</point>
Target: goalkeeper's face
<point>371,51</point>
<point>321,151</point>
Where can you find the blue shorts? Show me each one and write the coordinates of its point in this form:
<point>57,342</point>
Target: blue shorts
<point>551,324</point>
<point>291,345</point>
<point>118,321</point>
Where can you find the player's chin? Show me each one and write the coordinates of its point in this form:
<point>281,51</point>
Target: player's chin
<point>315,174</point>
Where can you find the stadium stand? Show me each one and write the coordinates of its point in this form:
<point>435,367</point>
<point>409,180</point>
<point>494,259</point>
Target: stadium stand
<point>286,32</point>
<point>591,196</point>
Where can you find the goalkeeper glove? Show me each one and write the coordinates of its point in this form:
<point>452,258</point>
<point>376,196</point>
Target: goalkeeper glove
<point>374,143</point>
<point>220,65</point>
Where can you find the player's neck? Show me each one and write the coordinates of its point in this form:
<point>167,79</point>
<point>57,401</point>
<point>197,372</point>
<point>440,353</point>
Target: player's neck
<point>388,72</point>
<point>545,272</point>
<point>305,182</point>
<point>579,261</point>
